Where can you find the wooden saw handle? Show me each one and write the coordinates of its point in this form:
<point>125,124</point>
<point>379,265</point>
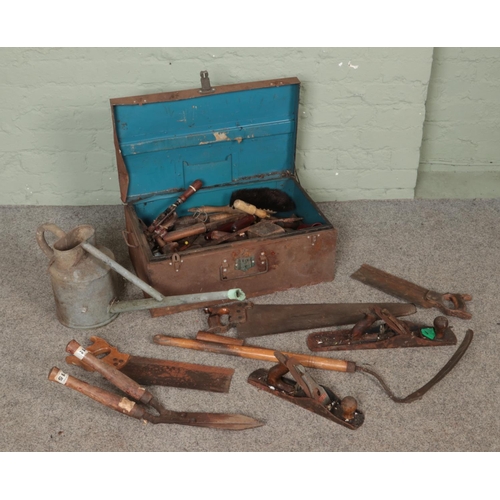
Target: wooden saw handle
<point>251,352</point>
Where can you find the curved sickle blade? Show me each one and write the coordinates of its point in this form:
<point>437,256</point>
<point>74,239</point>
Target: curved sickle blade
<point>439,376</point>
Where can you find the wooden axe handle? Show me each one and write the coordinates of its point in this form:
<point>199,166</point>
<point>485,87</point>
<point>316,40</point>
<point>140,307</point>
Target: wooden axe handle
<point>250,352</point>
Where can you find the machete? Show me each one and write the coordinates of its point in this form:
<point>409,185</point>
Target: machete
<point>150,371</point>
<point>254,320</point>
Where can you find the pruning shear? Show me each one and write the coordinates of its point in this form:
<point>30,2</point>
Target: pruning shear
<point>140,395</point>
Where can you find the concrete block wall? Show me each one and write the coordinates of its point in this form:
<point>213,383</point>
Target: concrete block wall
<point>460,155</point>
<point>360,126</point>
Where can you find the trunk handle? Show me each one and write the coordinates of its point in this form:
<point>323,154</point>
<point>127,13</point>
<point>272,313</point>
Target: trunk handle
<point>125,235</point>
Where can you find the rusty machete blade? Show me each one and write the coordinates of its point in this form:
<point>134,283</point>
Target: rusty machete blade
<point>150,371</point>
<point>255,320</point>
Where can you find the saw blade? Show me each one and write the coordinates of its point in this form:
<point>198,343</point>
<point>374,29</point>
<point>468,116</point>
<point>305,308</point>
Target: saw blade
<point>151,371</point>
<point>392,285</point>
<point>272,319</point>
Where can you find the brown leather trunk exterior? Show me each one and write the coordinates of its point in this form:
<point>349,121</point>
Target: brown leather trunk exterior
<point>291,260</point>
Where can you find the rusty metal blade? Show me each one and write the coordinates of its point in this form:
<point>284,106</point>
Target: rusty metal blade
<point>414,396</point>
<point>391,285</point>
<point>271,319</point>
<point>150,371</point>
<point>230,421</point>
<point>451,304</point>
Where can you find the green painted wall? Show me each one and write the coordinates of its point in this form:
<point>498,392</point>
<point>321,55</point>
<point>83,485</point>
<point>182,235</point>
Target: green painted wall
<point>360,127</point>
<point>460,156</point>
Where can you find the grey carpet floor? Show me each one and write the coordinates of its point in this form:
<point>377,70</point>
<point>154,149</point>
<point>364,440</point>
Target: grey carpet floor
<point>445,245</point>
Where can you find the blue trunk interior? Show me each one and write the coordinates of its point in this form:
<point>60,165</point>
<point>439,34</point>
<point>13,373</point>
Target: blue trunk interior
<point>232,140</point>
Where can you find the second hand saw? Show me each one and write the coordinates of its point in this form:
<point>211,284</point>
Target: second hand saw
<point>451,304</point>
<point>150,371</point>
<point>255,320</point>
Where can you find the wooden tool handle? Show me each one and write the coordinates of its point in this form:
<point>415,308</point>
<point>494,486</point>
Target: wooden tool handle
<point>117,378</point>
<point>250,352</point>
<point>190,190</point>
<point>171,209</point>
<point>250,209</point>
<point>113,401</point>
<point>193,230</point>
<point>221,339</point>
<point>106,352</point>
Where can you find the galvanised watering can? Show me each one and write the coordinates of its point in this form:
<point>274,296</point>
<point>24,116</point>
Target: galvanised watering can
<point>85,285</point>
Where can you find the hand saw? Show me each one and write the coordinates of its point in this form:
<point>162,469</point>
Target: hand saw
<point>149,371</point>
<point>451,304</point>
<point>253,320</point>
<point>143,399</point>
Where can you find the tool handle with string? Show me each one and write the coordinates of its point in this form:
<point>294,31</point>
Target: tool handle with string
<point>182,198</point>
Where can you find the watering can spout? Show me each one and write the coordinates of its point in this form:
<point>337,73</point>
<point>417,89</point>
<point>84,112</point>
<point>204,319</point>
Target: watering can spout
<point>236,294</point>
<point>176,300</point>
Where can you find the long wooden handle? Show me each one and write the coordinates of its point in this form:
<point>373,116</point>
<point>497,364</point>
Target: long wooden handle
<point>250,352</point>
<point>113,401</point>
<point>185,232</point>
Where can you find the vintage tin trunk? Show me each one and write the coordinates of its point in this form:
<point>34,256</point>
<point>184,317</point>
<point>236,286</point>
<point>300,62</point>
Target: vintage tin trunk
<point>230,137</point>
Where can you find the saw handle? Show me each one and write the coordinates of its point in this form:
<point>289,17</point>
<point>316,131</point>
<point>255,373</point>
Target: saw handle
<point>113,401</point>
<point>106,352</point>
<point>117,378</point>
<point>451,304</point>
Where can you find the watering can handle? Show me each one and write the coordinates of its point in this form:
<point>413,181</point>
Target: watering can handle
<point>42,242</point>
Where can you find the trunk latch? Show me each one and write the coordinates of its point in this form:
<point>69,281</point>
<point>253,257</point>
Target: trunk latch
<point>206,88</point>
